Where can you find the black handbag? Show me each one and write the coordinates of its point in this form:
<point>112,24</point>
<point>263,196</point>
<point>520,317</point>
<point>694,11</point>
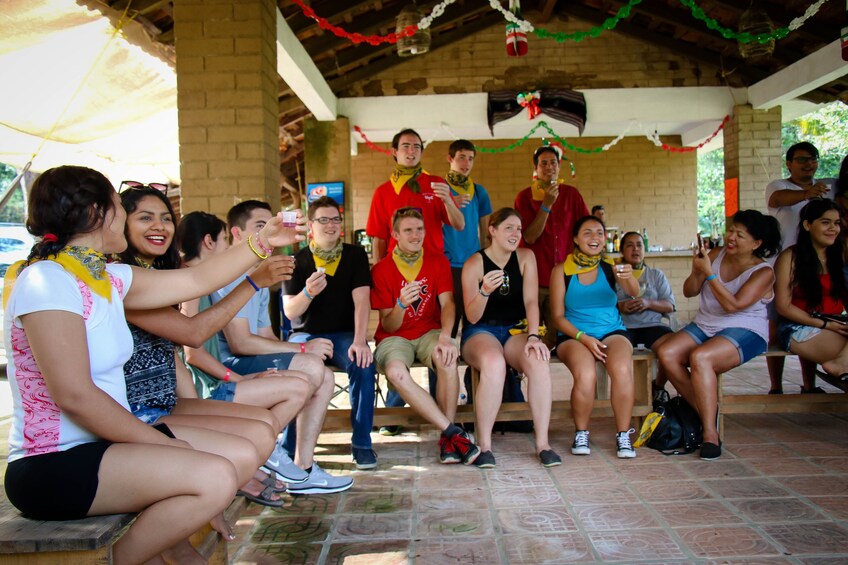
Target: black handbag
<point>679,431</point>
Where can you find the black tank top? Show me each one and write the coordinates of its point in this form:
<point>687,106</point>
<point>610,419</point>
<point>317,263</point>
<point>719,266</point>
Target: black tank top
<point>504,309</point>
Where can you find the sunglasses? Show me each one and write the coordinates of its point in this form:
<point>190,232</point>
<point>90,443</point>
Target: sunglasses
<point>804,160</point>
<point>504,288</point>
<point>325,221</point>
<point>161,187</point>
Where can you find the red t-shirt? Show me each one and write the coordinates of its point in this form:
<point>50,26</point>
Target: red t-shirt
<point>829,305</point>
<point>385,201</point>
<point>421,316</point>
<point>556,241</point>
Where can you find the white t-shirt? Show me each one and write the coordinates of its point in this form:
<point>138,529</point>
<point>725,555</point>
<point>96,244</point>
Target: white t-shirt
<point>39,426</point>
<point>788,216</point>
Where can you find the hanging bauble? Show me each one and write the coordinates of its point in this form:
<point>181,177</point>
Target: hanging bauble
<point>516,39</point>
<point>755,22</point>
<point>418,43</point>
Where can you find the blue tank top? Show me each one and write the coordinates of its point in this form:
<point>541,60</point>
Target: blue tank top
<point>593,308</point>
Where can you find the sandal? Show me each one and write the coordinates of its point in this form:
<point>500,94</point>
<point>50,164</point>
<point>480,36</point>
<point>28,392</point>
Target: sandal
<point>263,498</point>
<point>271,483</point>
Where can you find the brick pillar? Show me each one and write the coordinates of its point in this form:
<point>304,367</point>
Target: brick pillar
<point>227,102</point>
<point>753,156</point>
<point>327,159</point>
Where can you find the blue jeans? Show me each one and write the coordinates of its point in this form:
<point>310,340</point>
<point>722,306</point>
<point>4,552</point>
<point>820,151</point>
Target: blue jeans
<point>393,399</point>
<point>361,389</point>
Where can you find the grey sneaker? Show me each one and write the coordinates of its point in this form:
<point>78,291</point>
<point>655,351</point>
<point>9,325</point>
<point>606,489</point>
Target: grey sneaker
<point>624,449</point>
<point>321,482</point>
<point>280,465</point>
<point>364,458</point>
<point>581,443</point>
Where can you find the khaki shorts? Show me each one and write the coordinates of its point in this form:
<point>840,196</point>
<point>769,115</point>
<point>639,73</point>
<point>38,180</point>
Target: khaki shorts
<point>402,349</point>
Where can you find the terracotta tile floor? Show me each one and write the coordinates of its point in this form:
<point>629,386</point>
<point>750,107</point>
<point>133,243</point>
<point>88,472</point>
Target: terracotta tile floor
<point>779,494</point>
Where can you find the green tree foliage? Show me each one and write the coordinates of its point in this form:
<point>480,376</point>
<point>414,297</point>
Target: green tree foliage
<point>14,211</point>
<point>825,128</point>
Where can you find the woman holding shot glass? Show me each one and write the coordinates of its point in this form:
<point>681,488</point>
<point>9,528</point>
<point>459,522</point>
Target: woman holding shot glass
<point>500,290</point>
<point>589,328</point>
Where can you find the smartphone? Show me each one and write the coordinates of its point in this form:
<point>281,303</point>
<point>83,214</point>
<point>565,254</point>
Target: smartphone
<point>700,245</point>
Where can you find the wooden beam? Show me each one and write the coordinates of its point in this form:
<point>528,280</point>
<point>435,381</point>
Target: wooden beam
<point>810,31</point>
<point>334,12</point>
<point>546,11</point>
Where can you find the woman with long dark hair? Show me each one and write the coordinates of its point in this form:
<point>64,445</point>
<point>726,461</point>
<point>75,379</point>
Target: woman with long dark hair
<point>71,424</point>
<point>735,284</point>
<point>810,284</point>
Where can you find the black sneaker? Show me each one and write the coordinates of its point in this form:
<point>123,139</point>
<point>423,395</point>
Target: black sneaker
<point>624,448</point>
<point>710,451</point>
<point>814,390</point>
<point>447,452</point>
<point>549,458</point>
<point>364,458</point>
<point>466,449</point>
<point>581,443</point>
<point>486,460</point>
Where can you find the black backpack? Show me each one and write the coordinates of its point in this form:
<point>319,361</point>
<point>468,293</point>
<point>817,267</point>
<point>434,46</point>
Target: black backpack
<point>679,430</point>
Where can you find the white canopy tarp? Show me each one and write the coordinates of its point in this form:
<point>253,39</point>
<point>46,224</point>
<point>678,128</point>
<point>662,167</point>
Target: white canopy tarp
<point>122,117</point>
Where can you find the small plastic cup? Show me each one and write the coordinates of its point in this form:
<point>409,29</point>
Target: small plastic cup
<point>320,270</point>
<point>289,219</point>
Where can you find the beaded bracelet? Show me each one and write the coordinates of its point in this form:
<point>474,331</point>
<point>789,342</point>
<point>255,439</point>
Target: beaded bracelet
<point>260,245</point>
<point>255,251</point>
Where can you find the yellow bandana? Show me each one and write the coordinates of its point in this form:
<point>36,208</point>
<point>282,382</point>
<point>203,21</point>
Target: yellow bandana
<point>578,263</point>
<point>537,188</point>
<point>84,263</point>
<point>409,264</point>
<point>329,260</point>
<point>403,175</point>
<point>521,328</point>
<point>461,184</point>
<point>639,270</point>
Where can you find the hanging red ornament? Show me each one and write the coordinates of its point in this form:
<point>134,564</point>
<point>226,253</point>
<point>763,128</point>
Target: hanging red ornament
<point>516,40</point>
<point>530,100</point>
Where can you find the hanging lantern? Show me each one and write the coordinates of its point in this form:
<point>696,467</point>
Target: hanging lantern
<point>417,44</point>
<point>755,21</point>
<point>516,40</point>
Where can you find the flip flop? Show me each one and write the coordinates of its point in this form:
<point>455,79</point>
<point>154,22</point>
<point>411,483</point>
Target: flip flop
<point>264,497</point>
<point>271,483</point>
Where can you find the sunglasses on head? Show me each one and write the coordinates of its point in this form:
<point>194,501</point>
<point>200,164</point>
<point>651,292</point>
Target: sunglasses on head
<point>135,184</point>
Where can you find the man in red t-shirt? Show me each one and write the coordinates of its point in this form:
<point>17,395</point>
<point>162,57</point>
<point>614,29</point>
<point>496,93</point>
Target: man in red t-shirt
<point>413,292</point>
<point>548,209</point>
<point>411,186</point>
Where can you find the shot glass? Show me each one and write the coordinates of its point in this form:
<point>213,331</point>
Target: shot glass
<point>289,219</point>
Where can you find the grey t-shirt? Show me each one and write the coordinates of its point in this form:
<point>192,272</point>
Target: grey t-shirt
<point>656,287</point>
<point>255,312</point>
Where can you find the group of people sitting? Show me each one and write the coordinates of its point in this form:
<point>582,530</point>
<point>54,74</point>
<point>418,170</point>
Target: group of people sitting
<point>107,410</point>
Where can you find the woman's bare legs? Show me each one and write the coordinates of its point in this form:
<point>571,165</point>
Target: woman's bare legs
<point>484,352</point>
<point>619,365</point>
<point>581,363</point>
<point>674,360</point>
<point>176,490</point>
<point>539,392</point>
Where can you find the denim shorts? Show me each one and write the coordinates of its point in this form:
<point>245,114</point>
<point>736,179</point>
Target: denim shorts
<point>148,414</point>
<point>788,331</point>
<point>500,333</point>
<point>747,343</point>
<point>224,391</point>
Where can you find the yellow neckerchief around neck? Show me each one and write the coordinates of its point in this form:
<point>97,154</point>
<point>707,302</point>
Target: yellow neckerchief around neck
<point>639,270</point>
<point>84,263</point>
<point>462,184</point>
<point>328,260</point>
<point>406,175</point>
<point>578,263</point>
<point>409,264</point>
<point>537,188</point>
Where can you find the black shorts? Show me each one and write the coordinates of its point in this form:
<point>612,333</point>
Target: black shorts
<point>562,338</point>
<point>60,485</point>
<point>647,336</point>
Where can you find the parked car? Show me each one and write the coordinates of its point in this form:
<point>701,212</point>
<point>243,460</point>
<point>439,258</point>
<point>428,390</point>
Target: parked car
<point>15,244</point>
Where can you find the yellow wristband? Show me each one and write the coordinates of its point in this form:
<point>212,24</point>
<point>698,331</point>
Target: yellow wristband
<point>255,251</point>
<point>577,337</point>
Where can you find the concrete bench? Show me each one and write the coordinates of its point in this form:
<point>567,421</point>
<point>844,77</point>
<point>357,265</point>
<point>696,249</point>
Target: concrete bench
<point>643,360</point>
<point>90,540</point>
<point>779,403</point>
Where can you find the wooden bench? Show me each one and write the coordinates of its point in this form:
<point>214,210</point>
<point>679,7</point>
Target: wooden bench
<point>779,403</point>
<point>88,540</point>
<point>643,360</point>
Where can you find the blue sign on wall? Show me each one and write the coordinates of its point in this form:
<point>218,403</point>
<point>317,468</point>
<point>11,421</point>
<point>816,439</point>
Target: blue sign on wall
<point>335,190</point>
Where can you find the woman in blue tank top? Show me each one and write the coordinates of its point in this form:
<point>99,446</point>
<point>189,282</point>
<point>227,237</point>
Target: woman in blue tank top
<point>500,291</point>
<point>589,327</point>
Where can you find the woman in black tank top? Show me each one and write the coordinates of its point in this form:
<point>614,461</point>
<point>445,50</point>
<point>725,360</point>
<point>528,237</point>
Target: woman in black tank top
<point>500,289</point>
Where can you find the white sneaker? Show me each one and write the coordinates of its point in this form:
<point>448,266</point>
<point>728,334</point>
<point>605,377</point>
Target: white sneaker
<point>581,443</point>
<point>624,449</point>
<point>321,482</point>
<point>280,465</point>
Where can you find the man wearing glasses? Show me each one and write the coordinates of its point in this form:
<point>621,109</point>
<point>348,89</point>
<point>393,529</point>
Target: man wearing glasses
<point>411,186</point>
<point>328,297</point>
<point>785,198</point>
